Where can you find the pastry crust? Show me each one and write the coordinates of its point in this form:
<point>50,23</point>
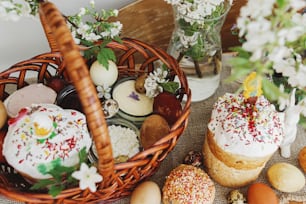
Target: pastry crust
<point>233,160</point>
<point>226,175</point>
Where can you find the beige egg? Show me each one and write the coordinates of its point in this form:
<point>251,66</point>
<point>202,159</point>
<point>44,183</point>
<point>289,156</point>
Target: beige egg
<point>103,76</point>
<point>286,177</point>
<point>3,114</point>
<point>148,192</point>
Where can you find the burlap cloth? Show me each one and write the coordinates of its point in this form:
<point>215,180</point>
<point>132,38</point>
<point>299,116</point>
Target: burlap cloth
<point>193,138</point>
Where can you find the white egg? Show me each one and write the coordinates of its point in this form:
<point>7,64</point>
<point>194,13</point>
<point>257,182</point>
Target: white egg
<point>103,76</point>
<point>147,192</point>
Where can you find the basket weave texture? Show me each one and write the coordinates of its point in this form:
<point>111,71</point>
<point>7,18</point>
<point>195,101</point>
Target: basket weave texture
<point>133,59</point>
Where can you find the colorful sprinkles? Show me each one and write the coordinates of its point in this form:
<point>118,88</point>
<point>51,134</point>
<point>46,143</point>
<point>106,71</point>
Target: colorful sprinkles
<point>251,125</point>
<point>187,184</point>
<point>24,151</point>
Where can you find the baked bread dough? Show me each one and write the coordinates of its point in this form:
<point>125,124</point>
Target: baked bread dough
<point>188,184</point>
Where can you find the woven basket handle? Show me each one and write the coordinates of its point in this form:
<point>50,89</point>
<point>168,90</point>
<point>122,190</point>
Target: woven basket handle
<point>79,74</point>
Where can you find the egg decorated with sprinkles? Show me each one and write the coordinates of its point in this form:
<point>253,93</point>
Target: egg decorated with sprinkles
<point>188,184</point>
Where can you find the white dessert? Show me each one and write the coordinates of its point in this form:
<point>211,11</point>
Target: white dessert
<point>42,133</point>
<point>241,138</point>
<point>234,132</point>
<point>130,101</point>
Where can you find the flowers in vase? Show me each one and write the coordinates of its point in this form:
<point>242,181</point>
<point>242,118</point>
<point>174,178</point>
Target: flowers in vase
<point>195,19</point>
<point>274,46</point>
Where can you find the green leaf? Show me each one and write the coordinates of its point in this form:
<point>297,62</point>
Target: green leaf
<point>241,52</point>
<point>83,155</point>
<point>170,86</point>
<point>43,183</point>
<point>87,43</point>
<point>270,90</point>
<point>302,121</point>
<point>237,74</point>
<point>118,39</point>
<point>240,62</point>
<point>56,190</point>
<point>281,3</point>
<point>104,43</point>
<point>91,53</point>
<point>46,168</point>
<point>240,68</point>
<point>104,55</point>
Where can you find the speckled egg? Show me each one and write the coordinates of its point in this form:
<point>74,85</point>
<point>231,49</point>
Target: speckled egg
<point>147,192</point>
<point>286,177</point>
<point>236,197</point>
<point>260,193</point>
<point>101,75</point>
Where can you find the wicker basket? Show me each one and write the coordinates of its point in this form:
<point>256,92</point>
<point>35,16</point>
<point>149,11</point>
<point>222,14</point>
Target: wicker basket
<point>65,60</point>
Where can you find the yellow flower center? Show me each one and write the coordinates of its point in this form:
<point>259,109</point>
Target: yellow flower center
<point>252,85</point>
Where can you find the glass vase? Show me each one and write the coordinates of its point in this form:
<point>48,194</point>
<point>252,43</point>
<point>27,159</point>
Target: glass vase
<point>196,44</point>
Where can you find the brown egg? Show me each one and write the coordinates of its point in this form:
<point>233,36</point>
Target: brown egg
<point>147,192</point>
<point>2,135</point>
<point>168,106</point>
<point>139,83</point>
<point>3,115</point>
<point>152,129</point>
<point>260,193</point>
<point>302,158</point>
<point>56,83</point>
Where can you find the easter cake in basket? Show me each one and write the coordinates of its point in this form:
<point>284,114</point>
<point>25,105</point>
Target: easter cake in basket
<point>112,180</point>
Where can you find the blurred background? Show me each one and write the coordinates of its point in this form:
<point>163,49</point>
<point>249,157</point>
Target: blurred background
<point>25,38</point>
<point>150,21</point>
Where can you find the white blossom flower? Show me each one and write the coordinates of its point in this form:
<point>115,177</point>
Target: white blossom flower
<point>258,35</point>
<point>274,38</point>
<point>186,40</point>
<point>195,11</point>
<point>104,91</point>
<point>115,12</point>
<point>297,4</point>
<point>88,177</point>
<point>82,12</point>
<point>116,29</point>
<point>173,2</point>
<point>92,3</point>
<point>159,75</point>
<point>153,82</point>
<point>263,9</point>
<point>152,87</point>
<point>11,11</point>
